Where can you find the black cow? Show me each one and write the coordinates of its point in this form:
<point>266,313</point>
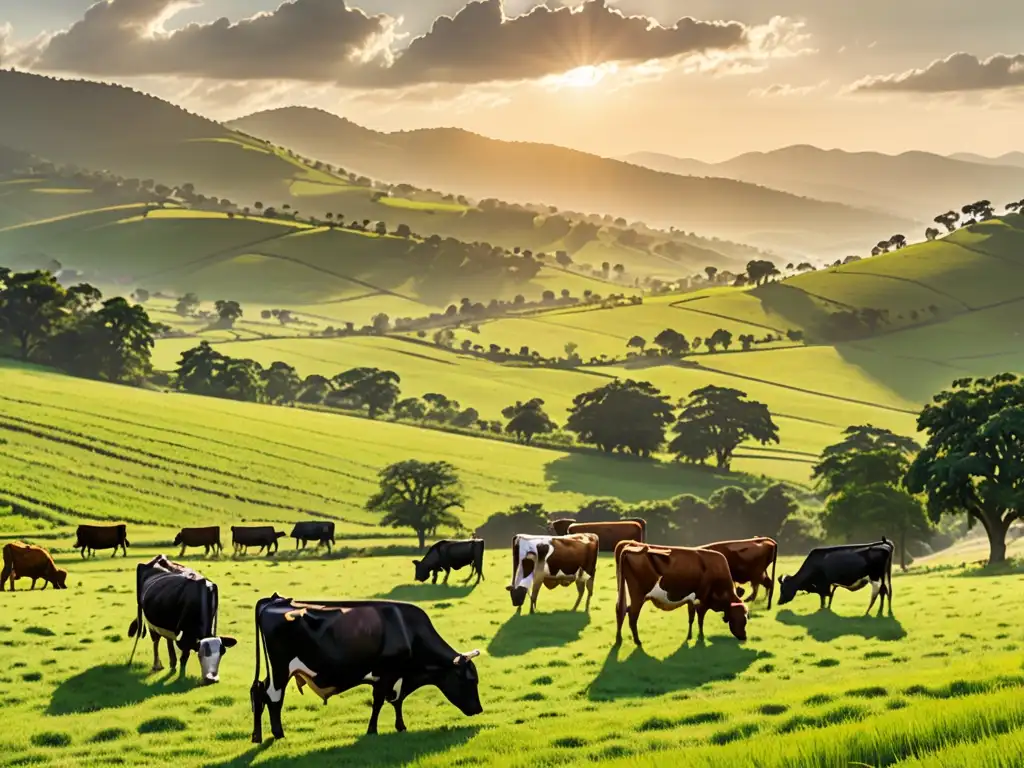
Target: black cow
<point>332,647</point>
<point>93,537</point>
<point>262,536</point>
<point>322,533</point>
<point>199,537</point>
<point>851,566</point>
<point>179,605</point>
<point>449,555</point>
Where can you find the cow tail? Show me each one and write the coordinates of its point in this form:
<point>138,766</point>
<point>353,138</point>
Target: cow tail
<point>258,691</point>
<point>480,559</point>
<point>138,627</point>
<point>771,592</point>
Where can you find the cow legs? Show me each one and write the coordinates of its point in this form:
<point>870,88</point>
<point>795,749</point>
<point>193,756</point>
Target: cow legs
<point>184,660</point>
<point>701,611</point>
<point>753,593</point>
<point>634,616</point>
<point>157,666</point>
<point>537,583</point>
<point>447,573</point>
<point>691,611</point>
<point>379,697</point>
<point>44,584</point>
<point>399,720</point>
<point>832,594</point>
<point>182,553</point>
<point>172,657</point>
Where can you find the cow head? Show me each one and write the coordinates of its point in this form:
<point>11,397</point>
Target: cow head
<point>736,617</point>
<point>787,589</point>
<point>211,651</point>
<point>519,591</point>
<point>59,578</point>
<point>460,684</point>
<point>422,571</point>
<point>177,539</point>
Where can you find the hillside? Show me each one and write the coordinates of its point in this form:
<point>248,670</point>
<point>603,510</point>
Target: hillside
<point>916,185</point>
<point>455,160</point>
<point>1015,159</point>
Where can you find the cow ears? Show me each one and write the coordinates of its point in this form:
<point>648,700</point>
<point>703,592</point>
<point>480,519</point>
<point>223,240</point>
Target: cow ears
<point>508,587</point>
<point>228,641</point>
<point>415,562</point>
<point>782,580</point>
<point>462,657</point>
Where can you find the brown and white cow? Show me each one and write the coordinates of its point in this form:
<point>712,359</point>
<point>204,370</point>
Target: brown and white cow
<point>610,534</point>
<point>552,561</point>
<point>749,560</point>
<point>671,577</point>
<point>26,561</point>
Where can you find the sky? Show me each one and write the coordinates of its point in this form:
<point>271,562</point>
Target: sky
<point>707,79</point>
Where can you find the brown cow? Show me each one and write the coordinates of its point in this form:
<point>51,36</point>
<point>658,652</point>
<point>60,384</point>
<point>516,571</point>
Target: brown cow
<point>610,534</point>
<point>748,562</point>
<point>554,561</point>
<point>560,527</point>
<point>25,561</point>
<point>671,577</point>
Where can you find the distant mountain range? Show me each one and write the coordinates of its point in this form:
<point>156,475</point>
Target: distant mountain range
<point>458,161</point>
<point>1015,159</point>
<point>914,184</point>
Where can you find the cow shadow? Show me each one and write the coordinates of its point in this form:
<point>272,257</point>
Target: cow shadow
<point>109,686</point>
<point>825,626</point>
<point>418,593</point>
<point>525,632</point>
<point>385,749</point>
<point>689,666</point>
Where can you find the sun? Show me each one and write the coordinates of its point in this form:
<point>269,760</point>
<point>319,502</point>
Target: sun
<point>582,77</point>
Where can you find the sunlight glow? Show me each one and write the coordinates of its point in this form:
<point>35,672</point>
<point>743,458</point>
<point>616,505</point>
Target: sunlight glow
<point>582,77</point>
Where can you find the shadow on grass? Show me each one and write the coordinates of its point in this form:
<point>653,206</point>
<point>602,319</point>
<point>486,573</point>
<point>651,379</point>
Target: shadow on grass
<point>112,685</point>
<point>387,749</point>
<point>1006,568</point>
<point>640,674</point>
<point>825,626</point>
<point>524,633</point>
<point>414,593</point>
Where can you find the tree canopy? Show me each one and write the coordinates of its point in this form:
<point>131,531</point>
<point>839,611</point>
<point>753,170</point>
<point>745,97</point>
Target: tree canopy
<point>418,495</point>
<point>376,389</point>
<point>624,415</point>
<point>526,420</point>
<point>715,420</point>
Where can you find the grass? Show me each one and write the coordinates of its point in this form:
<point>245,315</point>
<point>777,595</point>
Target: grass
<point>555,690</point>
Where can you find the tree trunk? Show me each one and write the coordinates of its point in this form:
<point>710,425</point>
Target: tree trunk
<point>996,531</point>
<point>903,550</point>
<point>422,536</point>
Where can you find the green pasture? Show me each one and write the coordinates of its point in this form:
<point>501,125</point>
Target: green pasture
<point>402,203</point>
<point>938,683</point>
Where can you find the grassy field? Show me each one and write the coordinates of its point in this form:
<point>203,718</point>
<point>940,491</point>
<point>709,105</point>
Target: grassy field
<point>937,684</point>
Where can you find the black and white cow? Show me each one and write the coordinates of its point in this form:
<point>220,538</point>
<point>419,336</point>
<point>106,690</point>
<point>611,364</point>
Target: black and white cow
<point>179,605</point>
<point>447,555</point>
<point>334,646</point>
<point>851,566</point>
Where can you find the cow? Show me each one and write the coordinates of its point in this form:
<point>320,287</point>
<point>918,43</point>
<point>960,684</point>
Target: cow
<point>26,561</point>
<point>850,566</point>
<point>671,577</point>
<point>335,646</point>
<point>199,537</point>
<point>610,534</point>
<point>321,533</point>
<point>262,536</point>
<point>93,537</point>
<point>749,560</point>
<point>448,555</point>
<point>561,527</point>
<point>180,605</point>
<point>552,561</point>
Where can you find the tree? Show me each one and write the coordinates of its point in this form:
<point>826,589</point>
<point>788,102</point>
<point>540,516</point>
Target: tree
<point>861,512</point>
<point>198,369</point>
<point>931,233</point>
<point>122,340</point>
<point>418,495</point>
<point>715,420</point>
<point>403,230</point>
<point>570,349</point>
<point>866,437</point>
<point>376,389</point>
<point>228,312</point>
<point>721,337</point>
<point>281,382</point>
<point>624,415</point>
<point>973,461</point>
<point>563,259</point>
<point>381,323</point>
<point>637,342</point>
<point>948,220</point>
<point>187,304</point>
<point>141,295</point>
<point>883,247</point>
<point>758,270</point>
<point>242,379</point>
<point>898,242</point>
<point>672,341</point>
<point>315,389</point>
<point>711,272</point>
<point>32,307</point>
<point>747,341</point>
<point>527,420</point>
<point>410,408</point>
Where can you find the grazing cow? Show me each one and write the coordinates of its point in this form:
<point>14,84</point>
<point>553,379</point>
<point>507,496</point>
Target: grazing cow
<point>25,561</point>
<point>748,562</point>
<point>850,566</point>
<point>671,577</point>
<point>334,646</point>
<point>199,537</point>
<point>179,605</point>
<point>93,537</point>
<point>554,561</point>
<point>610,534</point>
<point>262,536</point>
<point>450,555</point>
<point>321,533</point>
<point>561,527</point>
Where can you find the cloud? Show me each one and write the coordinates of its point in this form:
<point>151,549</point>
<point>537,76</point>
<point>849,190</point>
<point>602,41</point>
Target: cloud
<point>776,90</point>
<point>961,72</point>
<point>330,41</point>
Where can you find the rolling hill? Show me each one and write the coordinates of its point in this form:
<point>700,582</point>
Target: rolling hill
<point>1015,159</point>
<point>458,161</point>
<point>916,185</point>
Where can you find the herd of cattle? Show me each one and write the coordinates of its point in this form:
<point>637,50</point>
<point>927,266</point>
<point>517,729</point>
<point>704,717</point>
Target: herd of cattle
<point>333,646</point>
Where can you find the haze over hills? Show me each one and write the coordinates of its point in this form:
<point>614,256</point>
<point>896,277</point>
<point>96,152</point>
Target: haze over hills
<point>458,161</point>
<point>1015,159</point>
<point>913,184</point>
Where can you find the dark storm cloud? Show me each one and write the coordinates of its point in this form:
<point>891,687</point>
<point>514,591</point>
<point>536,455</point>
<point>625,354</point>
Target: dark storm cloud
<point>957,73</point>
<point>331,41</point>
